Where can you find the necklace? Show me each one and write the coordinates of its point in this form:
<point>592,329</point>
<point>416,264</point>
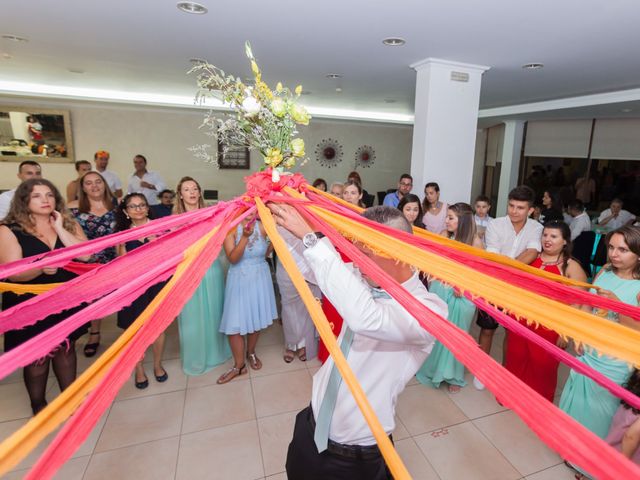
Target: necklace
<point>555,262</point>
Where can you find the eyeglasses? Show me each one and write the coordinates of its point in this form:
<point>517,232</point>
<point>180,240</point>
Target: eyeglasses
<point>134,206</point>
<point>406,184</point>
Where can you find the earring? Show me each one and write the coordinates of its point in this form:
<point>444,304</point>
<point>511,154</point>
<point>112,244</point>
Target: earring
<point>127,215</point>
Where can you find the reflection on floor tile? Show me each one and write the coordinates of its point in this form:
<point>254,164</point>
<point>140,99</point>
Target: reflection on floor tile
<point>423,409</point>
<point>231,452</point>
<point>517,442</point>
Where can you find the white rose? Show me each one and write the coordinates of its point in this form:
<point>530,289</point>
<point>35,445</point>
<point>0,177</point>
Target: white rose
<point>251,106</point>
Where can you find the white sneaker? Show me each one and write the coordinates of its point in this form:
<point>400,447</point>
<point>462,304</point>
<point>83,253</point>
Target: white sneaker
<point>477,384</point>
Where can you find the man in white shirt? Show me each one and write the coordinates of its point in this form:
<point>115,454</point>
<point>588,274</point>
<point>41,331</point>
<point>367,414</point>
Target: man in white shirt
<point>145,182</point>
<point>581,221</point>
<point>26,170</point>
<point>517,236</point>
<point>615,217</point>
<point>101,159</point>
<point>387,349</point>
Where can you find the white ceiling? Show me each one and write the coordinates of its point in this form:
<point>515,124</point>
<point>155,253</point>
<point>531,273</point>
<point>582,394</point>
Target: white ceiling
<point>144,46</point>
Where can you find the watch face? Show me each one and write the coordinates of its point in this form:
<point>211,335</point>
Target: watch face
<point>309,240</point>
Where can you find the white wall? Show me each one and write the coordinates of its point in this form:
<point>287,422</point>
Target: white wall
<point>164,134</point>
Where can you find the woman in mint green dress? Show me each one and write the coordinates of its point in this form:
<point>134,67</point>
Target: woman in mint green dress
<point>441,365</point>
<point>202,346</point>
<point>582,398</point>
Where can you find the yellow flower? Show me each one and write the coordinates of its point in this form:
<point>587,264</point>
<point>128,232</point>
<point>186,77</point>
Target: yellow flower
<point>279,87</point>
<point>278,107</point>
<point>298,90</point>
<point>300,114</point>
<point>254,68</point>
<point>297,147</point>
<point>247,50</point>
<point>290,162</point>
<point>274,157</point>
<point>263,90</point>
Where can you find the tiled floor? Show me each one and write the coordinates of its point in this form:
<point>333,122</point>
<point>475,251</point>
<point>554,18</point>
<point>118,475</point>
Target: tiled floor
<point>191,428</point>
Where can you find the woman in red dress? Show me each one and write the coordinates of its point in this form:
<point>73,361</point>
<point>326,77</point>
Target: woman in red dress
<point>531,363</point>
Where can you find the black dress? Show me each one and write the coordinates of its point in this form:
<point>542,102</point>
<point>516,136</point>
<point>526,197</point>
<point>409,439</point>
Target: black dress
<point>32,245</point>
<point>129,314</point>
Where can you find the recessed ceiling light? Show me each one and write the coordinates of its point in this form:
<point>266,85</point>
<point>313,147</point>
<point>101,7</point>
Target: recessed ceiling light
<point>389,100</point>
<point>338,90</point>
<point>334,75</point>
<point>14,38</point>
<point>79,71</point>
<point>394,42</point>
<point>533,66</point>
<point>626,110</point>
<point>192,7</point>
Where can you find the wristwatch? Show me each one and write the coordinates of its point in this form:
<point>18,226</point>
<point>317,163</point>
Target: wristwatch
<point>311,238</point>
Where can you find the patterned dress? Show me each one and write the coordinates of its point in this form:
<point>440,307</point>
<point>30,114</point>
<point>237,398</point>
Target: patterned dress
<point>95,226</point>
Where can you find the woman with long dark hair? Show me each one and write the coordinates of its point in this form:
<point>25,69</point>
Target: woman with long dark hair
<point>133,212</point>
<point>37,223</point>
<point>583,399</point>
<point>95,212</point>
<point>552,207</point>
<point>411,209</point>
<point>441,365</point>
<point>435,211</point>
<point>527,361</point>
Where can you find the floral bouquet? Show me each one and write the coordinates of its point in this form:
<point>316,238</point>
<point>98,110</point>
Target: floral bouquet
<point>263,119</point>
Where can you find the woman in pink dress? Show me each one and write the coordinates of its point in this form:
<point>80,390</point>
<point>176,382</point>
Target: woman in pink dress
<point>435,211</point>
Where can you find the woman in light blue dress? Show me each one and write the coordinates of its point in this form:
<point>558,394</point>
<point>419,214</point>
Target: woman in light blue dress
<point>582,398</point>
<point>250,303</point>
<point>202,346</point>
<point>441,365</point>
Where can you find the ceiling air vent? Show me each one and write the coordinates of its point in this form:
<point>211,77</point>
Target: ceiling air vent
<point>459,77</point>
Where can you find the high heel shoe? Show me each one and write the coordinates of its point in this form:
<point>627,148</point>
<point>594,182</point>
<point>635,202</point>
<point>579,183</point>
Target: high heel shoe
<point>90,349</point>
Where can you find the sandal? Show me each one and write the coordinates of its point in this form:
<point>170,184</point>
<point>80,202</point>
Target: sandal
<point>453,389</point>
<point>254,362</point>
<point>288,356</point>
<point>232,373</point>
<point>90,349</point>
<point>302,354</point>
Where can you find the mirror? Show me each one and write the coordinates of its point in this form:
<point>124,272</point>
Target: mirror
<point>35,134</point>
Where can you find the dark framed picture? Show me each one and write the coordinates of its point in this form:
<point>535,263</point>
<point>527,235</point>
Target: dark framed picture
<point>235,158</point>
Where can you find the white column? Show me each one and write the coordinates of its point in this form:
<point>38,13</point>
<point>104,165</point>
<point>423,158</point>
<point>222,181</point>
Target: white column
<point>444,131</point>
<point>510,159</point>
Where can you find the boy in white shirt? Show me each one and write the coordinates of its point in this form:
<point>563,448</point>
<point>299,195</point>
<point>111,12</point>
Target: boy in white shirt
<point>482,205</point>
<point>581,221</point>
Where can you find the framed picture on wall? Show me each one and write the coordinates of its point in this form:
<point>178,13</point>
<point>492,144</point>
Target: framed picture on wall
<point>35,134</point>
<point>235,158</point>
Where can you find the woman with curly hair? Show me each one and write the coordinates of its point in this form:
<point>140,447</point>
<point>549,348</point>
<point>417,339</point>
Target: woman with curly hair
<point>37,223</point>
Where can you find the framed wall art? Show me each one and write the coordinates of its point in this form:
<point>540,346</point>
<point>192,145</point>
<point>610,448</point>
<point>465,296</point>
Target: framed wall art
<point>35,134</point>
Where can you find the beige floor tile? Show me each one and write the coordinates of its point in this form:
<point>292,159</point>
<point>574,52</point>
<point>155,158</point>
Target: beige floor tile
<point>559,472</point>
<point>278,476</point>
<point>231,452</point>
<point>177,381</point>
<point>400,431</point>
<point>210,378</point>
<point>142,420</point>
<point>72,470</point>
<point>462,451</point>
<point>272,362</point>
<point>423,409</point>
<point>13,377</point>
<point>475,403</point>
<point>14,402</point>
<point>313,363</point>
<point>282,392</point>
<point>275,434</point>
<point>517,442</point>
<point>218,405</point>
<point>417,464</point>
<point>152,460</point>
<point>272,335</point>
<point>313,370</point>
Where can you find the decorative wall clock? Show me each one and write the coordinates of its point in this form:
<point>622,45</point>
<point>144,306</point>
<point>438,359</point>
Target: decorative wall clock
<point>365,156</point>
<point>329,152</point>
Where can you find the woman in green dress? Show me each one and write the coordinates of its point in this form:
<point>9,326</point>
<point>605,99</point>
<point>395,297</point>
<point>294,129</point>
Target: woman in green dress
<point>583,399</point>
<point>441,365</point>
<point>202,346</point>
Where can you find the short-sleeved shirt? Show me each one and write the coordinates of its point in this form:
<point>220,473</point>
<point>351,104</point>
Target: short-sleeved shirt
<point>623,218</point>
<point>501,237</point>
<point>391,199</point>
<point>112,180</point>
<point>5,202</point>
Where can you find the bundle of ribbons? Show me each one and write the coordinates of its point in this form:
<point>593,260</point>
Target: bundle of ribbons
<point>187,244</point>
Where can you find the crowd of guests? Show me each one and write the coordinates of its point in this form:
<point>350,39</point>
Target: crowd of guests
<point>223,319</point>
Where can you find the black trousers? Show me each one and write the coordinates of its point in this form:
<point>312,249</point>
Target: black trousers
<point>305,463</point>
